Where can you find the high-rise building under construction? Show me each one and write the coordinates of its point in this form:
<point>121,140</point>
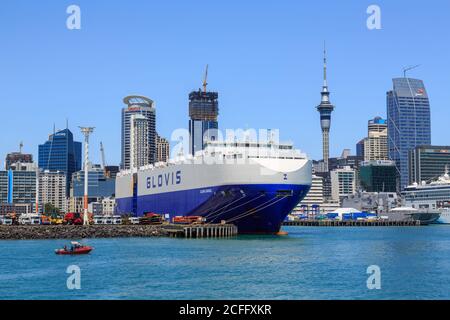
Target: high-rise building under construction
<point>203,113</point>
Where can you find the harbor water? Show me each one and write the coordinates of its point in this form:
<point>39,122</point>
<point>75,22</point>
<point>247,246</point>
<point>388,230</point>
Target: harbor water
<point>309,263</point>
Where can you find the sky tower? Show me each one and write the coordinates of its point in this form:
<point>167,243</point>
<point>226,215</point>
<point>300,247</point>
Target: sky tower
<point>325,109</point>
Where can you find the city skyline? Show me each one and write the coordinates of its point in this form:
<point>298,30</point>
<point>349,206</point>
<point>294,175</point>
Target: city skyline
<point>360,73</point>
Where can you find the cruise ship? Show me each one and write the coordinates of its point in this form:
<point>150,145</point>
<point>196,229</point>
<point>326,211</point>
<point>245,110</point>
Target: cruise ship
<point>433,196</point>
<point>252,185</point>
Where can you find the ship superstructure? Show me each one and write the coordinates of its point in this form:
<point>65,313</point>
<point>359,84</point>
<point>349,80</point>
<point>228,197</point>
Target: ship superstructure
<point>433,195</point>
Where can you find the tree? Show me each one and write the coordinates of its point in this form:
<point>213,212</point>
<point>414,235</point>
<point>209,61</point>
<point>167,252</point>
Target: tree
<point>51,210</point>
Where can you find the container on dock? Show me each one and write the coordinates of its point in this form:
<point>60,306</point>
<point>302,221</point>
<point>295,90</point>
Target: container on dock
<point>332,215</point>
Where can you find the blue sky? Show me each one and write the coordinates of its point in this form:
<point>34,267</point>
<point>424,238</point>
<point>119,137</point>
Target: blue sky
<point>265,60</point>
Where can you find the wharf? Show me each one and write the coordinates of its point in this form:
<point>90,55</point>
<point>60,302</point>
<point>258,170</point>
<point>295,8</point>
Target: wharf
<point>34,232</point>
<point>201,231</point>
<point>353,223</point>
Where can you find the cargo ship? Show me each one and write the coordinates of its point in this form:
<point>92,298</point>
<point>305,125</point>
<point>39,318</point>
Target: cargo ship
<point>252,185</point>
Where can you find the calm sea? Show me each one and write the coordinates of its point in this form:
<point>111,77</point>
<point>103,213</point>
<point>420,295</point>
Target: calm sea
<point>309,263</point>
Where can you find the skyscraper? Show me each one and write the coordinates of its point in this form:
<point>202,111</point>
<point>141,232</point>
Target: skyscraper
<point>139,144</point>
<point>138,105</point>
<point>61,153</point>
<point>325,108</point>
<point>409,125</point>
<point>163,149</point>
<point>203,113</point>
<point>375,146</point>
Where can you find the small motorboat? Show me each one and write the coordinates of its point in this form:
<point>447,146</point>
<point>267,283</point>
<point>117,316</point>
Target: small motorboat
<point>75,249</point>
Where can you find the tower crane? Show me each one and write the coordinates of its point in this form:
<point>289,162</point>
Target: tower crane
<point>205,80</point>
<point>102,150</point>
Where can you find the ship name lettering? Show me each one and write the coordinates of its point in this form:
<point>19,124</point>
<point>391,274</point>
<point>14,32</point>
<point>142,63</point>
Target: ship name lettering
<point>164,180</point>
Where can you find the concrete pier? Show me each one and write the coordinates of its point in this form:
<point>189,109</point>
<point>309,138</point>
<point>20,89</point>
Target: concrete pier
<point>357,223</point>
<point>201,231</point>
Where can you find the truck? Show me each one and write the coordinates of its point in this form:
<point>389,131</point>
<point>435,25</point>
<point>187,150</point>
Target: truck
<point>73,218</point>
<point>188,220</point>
<point>151,218</point>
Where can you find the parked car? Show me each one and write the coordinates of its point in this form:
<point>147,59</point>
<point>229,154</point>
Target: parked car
<point>27,219</point>
<point>6,221</point>
<point>116,220</point>
<point>133,220</point>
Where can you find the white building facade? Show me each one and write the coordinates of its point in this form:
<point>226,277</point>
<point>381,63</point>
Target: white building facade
<point>52,189</point>
<point>343,183</point>
<point>139,148</point>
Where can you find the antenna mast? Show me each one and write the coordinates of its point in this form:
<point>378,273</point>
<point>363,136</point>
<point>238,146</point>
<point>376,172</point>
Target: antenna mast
<point>325,63</point>
<point>406,69</point>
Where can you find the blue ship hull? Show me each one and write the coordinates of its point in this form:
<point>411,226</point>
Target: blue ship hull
<point>254,209</point>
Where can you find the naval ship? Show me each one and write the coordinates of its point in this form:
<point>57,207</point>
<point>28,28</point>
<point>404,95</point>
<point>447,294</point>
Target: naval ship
<point>252,185</point>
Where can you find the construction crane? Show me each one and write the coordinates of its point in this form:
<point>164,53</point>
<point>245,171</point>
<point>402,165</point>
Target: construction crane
<point>205,80</point>
<point>406,69</point>
<point>102,150</point>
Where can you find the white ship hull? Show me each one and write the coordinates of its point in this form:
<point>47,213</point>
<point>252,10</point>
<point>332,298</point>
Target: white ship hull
<point>444,218</point>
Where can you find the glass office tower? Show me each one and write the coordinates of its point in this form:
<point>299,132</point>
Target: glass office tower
<point>409,125</point>
<point>61,153</point>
